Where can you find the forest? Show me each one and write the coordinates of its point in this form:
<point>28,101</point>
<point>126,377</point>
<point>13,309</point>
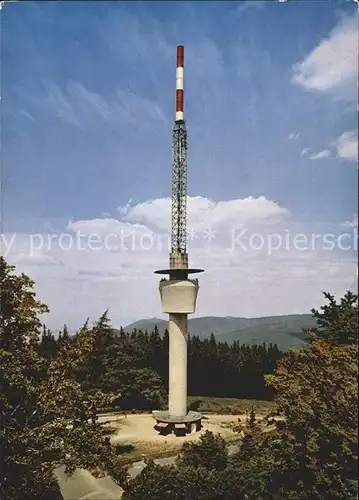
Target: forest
<point>136,364</point>
<point>51,390</point>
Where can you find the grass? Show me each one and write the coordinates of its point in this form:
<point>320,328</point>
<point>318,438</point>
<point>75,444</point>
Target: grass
<point>230,406</point>
<point>205,404</point>
<point>133,452</point>
<point>149,450</point>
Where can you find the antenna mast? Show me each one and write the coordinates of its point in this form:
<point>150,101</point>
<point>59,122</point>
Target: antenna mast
<point>179,257</point>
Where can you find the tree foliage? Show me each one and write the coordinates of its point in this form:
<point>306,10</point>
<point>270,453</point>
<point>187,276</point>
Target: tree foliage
<point>46,418</point>
<point>337,322</point>
<point>317,395</point>
<point>311,454</point>
<point>136,365</point>
<point>172,483</point>
<point>51,390</point>
<point>209,452</point>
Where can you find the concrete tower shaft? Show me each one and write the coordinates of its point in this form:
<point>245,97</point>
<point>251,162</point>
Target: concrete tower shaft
<point>177,396</point>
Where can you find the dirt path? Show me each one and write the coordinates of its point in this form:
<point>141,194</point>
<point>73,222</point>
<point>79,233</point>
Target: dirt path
<point>137,428</point>
<point>139,431</point>
<point>83,486</point>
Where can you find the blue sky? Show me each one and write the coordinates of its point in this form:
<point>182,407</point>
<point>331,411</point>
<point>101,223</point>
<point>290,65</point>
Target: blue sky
<point>88,106</point>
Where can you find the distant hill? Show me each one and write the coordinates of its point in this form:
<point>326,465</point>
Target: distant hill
<point>285,331</point>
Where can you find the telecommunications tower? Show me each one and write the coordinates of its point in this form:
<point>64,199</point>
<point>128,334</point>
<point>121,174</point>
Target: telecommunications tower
<point>178,292</point>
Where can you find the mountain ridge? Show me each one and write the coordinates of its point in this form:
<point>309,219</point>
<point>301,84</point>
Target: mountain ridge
<point>283,330</point>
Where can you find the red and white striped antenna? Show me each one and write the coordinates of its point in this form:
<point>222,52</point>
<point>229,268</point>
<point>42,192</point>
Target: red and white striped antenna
<point>179,83</point>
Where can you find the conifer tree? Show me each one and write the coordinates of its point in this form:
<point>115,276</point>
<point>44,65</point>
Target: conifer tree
<point>337,322</point>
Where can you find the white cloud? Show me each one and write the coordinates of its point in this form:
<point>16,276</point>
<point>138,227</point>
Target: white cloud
<point>37,259</point>
<point>60,105</point>
<point>305,152</point>
<point>136,109</point>
<point>203,212</point>
<point>352,222</point>
<point>27,115</point>
<point>100,226</point>
<point>78,106</point>
<point>293,136</point>
<point>249,6</point>
<point>321,155</point>
<point>332,66</point>
<point>248,273</point>
<point>124,209</point>
<point>347,145</point>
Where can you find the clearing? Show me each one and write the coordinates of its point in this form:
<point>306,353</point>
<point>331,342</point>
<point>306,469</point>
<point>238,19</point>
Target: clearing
<point>135,438</point>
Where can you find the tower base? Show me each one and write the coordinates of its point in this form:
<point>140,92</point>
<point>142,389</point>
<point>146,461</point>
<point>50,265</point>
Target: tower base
<point>167,424</point>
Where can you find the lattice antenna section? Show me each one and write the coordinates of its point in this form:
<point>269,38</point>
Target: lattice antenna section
<point>179,188</point>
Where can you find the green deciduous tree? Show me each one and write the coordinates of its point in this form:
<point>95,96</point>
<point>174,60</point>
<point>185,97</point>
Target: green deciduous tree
<point>45,418</point>
<point>184,483</point>
<point>154,483</point>
<point>312,454</point>
<point>210,452</point>
<point>141,389</point>
<point>317,394</point>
